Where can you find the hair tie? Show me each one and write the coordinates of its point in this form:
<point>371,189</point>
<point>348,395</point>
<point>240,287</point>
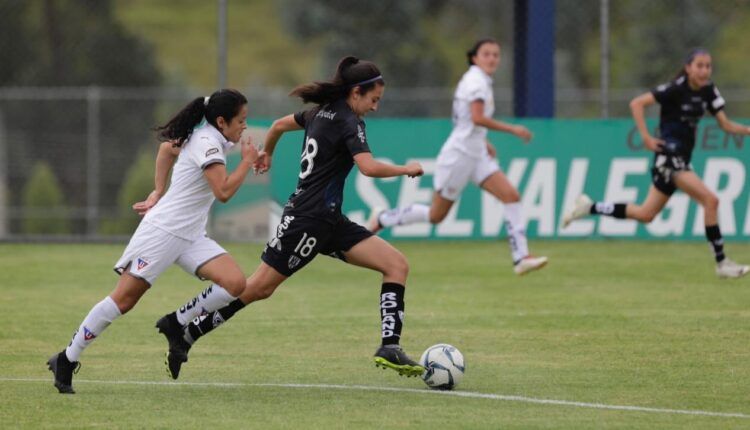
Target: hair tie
<point>205,100</point>
<point>367,81</point>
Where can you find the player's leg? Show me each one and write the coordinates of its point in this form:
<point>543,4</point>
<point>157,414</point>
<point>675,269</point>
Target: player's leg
<point>377,254</point>
<point>491,179</point>
<point>645,212</point>
<point>692,185</point>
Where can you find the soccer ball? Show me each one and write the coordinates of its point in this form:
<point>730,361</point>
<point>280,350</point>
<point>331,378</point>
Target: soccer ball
<point>444,366</point>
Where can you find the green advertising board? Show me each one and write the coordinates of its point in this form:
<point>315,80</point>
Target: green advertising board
<point>603,158</point>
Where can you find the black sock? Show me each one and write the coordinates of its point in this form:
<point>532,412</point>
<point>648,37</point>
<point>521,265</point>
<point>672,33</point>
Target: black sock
<point>202,326</point>
<point>616,210</point>
<point>391,312</point>
<point>713,234</point>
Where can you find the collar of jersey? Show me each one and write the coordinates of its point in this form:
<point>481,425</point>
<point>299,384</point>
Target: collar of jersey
<point>476,69</point>
<point>210,129</point>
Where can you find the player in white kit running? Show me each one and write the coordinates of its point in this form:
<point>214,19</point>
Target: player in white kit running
<point>173,231</point>
<point>467,155</point>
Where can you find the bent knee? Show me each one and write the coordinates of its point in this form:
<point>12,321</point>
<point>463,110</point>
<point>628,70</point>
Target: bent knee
<point>711,203</point>
<point>234,285</point>
<point>437,218</point>
<point>397,266</point>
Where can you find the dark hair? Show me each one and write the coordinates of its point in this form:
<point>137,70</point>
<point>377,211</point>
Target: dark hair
<point>689,60</point>
<point>224,103</point>
<point>475,49</point>
<point>351,72</point>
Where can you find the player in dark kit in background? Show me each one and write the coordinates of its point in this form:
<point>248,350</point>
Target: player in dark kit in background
<point>683,102</point>
<point>312,221</point>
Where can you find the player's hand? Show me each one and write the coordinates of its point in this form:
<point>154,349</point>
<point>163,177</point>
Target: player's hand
<point>491,150</point>
<point>414,169</point>
<point>652,143</point>
<point>523,133</point>
<point>262,163</point>
<point>248,149</point>
<point>142,207</point>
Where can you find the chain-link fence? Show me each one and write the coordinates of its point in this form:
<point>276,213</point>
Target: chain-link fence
<point>84,81</point>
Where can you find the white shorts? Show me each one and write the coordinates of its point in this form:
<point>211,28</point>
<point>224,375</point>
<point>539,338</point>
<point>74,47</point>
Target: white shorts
<point>454,169</point>
<point>152,250</point>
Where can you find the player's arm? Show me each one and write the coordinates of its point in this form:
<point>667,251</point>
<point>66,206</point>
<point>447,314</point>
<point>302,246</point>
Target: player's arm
<point>637,108</point>
<point>278,128</point>
<point>224,185</point>
<point>373,168</point>
<point>478,118</point>
<point>730,126</point>
<point>165,159</point>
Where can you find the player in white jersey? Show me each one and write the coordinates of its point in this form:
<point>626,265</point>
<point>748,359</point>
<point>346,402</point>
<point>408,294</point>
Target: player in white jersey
<point>174,228</point>
<point>467,155</point>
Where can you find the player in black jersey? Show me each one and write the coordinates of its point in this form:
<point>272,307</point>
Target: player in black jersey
<point>312,222</point>
<point>683,102</point>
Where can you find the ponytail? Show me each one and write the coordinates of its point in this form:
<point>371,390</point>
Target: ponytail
<point>224,103</point>
<point>351,72</point>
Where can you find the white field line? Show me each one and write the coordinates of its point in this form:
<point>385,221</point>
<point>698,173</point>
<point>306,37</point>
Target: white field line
<point>466,394</point>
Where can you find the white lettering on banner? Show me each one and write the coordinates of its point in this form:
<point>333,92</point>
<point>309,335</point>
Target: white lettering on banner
<point>735,172</point>
<point>616,191</point>
<point>411,192</point>
<point>453,227</point>
<point>492,208</point>
<point>538,198</point>
<point>746,229</point>
<point>576,182</point>
<point>676,211</point>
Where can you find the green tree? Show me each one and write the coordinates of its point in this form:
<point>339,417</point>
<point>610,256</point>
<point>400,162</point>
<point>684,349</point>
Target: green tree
<point>138,183</point>
<point>43,200</point>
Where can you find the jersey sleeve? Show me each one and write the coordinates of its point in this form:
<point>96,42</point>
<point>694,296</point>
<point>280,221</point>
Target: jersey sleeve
<point>355,139</point>
<point>305,116</point>
<point>714,101</point>
<point>665,93</point>
<point>206,151</point>
<point>473,89</point>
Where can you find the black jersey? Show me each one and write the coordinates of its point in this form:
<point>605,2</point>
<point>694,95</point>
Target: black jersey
<point>334,134</point>
<point>681,109</point>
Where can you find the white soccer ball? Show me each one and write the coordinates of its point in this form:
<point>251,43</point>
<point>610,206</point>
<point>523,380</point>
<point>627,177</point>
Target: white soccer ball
<point>444,366</point>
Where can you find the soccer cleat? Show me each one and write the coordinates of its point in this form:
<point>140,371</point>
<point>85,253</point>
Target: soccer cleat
<point>393,357</point>
<point>581,209</point>
<point>729,269</point>
<point>373,222</point>
<point>63,369</point>
<point>178,347</point>
<point>529,264</point>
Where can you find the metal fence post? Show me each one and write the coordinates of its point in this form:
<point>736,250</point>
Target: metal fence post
<point>221,44</point>
<point>604,46</point>
<point>3,178</point>
<point>93,145</point>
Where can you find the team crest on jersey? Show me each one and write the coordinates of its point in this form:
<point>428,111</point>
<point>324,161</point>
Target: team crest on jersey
<point>88,334</point>
<point>212,151</point>
<point>294,262</point>
<point>141,264</point>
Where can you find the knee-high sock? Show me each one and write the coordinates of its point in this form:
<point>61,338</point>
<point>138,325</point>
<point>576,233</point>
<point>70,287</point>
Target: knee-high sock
<point>411,214</point>
<point>100,316</point>
<point>515,225</point>
<point>212,298</point>
<point>203,325</point>
<point>713,234</point>
<point>616,210</point>
<point>391,312</point>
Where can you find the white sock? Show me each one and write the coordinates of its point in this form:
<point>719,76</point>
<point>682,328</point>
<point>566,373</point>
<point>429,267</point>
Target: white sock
<point>403,216</point>
<point>211,299</point>
<point>515,224</point>
<point>99,318</point>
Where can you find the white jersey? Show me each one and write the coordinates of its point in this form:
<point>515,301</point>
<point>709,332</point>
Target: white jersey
<point>467,137</point>
<point>183,211</point>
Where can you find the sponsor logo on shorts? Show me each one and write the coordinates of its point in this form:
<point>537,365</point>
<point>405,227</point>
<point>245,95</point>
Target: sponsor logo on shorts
<point>294,262</point>
<point>88,334</point>
<point>212,151</point>
<point>141,264</point>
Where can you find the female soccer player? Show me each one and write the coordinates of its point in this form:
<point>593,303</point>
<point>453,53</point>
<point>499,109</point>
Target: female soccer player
<point>173,231</point>
<point>312,222</point>
<point>467,155</point>
<point>683,102</point>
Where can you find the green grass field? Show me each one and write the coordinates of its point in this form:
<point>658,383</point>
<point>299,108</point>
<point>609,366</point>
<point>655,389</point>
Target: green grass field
<point>612,323</point>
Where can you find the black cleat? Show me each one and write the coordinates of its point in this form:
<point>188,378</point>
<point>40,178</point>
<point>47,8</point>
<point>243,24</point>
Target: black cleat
<point>393,357</point>
<point>178,348</point>
<point>63,369</point>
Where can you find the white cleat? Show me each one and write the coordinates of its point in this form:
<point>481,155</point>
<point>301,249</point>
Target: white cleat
<point>529,264</point>
<point>729,269</point>
<point>373,222</point>
<point>581,209</point>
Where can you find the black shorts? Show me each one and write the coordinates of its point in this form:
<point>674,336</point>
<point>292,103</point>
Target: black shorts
<point>299,239</point>
<point>664,168</point>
